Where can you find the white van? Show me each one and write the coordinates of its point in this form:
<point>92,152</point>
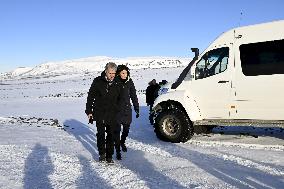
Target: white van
<point>237,80</point>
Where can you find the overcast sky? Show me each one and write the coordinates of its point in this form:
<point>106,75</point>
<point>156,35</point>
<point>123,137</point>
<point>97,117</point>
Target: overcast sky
<point>36,31</point>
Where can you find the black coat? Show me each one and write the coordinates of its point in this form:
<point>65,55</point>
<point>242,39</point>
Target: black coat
<point>128,92</point>
<point>152,93</point>
<point>103,100</point>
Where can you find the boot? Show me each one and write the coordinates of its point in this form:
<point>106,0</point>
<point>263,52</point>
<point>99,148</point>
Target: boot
<point>102,158</point>
<point>123,147</point>
<point>109,161</point>
<point>118,155</point>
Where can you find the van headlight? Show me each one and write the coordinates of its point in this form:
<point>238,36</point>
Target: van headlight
<point>163,91</point>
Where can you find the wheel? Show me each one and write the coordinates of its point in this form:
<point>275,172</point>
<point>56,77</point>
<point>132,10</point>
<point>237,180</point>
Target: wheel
<point>173,125</point>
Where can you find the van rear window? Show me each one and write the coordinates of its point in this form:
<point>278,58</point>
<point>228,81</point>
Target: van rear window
<point>264,58</point>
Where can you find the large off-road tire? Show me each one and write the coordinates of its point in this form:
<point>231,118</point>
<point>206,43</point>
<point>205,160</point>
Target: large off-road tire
<point>173,125</point>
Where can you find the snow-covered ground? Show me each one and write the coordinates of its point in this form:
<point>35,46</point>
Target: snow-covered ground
<point>46,142</point>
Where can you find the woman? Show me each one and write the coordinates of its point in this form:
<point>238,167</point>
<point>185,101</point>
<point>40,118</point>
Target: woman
<point>125,115</point>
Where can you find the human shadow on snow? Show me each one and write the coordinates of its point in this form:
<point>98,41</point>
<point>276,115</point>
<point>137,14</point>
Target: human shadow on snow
<point>89,178</point>
<point>38,166</point>
<point>135,161</point>
<point>86,135</point>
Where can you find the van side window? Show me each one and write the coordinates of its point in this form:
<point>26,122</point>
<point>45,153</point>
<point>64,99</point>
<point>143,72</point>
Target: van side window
<point>212,63</point>
<point>264,58</point>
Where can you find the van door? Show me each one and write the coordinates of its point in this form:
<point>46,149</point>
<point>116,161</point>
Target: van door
<point>211,85</point>
<point>260,77</point>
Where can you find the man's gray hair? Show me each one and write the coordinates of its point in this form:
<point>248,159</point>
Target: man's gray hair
<point>111,65</point>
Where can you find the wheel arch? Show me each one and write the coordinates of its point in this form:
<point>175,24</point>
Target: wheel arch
<point>170,104</point>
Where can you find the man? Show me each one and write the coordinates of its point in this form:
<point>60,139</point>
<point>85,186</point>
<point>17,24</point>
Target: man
<point>102,106</point>
<point>151,95</point>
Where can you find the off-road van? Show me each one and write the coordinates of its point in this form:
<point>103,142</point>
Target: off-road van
<point>237,80</point>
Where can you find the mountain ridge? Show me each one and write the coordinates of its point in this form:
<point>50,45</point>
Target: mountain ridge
<point>93,64</point>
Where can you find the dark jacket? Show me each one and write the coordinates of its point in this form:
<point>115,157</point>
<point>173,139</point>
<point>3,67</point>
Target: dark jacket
<point>128,92</point>
<point>103,100</point>
<point>152,93</point>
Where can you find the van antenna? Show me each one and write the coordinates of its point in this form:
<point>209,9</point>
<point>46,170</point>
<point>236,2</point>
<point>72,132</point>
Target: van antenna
<point>241,15</point>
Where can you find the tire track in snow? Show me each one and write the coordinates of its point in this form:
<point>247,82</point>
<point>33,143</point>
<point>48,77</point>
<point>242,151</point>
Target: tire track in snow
<point>238,145</point>
<point>249,163</point>
<point>118,176</point>
<point>147,148</point>
<point>240,160</point>
<point>183,154</point>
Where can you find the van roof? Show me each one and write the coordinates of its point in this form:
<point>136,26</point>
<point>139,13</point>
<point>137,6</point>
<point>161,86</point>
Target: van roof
<point>230,35</point>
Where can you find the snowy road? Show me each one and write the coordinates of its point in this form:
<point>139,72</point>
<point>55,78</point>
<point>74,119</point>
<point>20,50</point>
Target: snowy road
<point>44,155</point>
<point>45,142</point>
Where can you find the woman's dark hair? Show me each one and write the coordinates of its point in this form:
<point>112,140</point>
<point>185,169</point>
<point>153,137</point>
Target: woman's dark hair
<point>122,67</point>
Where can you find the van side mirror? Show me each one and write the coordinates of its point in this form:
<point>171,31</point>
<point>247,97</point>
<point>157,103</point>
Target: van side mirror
<point>198,73</point>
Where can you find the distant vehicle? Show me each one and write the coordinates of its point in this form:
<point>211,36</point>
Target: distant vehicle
<point>164,88</point>
<point>237,80</point>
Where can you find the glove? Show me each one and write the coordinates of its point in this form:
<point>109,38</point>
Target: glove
<point>91,120</point>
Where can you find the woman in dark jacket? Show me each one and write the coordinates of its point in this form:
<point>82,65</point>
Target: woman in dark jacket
<point>125,114</point>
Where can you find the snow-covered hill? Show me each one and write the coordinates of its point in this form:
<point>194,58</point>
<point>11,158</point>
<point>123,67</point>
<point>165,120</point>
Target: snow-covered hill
<point>93,64</point>
<point>17,72</point>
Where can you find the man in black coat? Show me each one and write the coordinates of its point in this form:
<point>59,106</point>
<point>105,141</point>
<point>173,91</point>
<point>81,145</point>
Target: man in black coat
<point>102,106</point>
<point>151,95</point>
